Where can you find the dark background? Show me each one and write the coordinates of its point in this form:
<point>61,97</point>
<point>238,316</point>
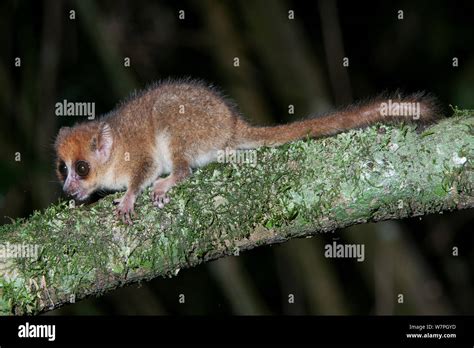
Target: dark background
<point>282,62</point>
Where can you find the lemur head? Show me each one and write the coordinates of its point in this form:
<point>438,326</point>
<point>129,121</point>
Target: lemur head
<point>82,153</point>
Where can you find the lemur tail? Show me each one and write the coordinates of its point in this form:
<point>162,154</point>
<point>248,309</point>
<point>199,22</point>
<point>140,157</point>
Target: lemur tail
<point>418,108</point>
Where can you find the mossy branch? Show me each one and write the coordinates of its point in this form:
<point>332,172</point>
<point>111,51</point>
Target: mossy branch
<point>296,190</point>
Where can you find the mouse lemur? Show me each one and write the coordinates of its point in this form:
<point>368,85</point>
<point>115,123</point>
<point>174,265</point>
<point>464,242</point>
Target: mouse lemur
<point>176,126</point>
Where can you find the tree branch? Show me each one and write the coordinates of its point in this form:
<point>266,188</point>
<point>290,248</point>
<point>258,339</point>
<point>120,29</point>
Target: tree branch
<point>296,190</point>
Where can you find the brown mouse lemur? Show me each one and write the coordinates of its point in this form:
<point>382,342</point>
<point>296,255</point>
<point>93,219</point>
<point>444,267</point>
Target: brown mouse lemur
<point>175,126</point>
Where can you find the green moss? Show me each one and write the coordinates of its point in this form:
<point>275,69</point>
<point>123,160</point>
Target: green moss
<point>302,187</point>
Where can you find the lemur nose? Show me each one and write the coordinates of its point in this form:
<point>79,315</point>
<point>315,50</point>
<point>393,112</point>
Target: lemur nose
<point>67,187</point>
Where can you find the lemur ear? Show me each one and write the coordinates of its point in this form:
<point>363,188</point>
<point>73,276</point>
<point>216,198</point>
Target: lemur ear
<point>105,141</point>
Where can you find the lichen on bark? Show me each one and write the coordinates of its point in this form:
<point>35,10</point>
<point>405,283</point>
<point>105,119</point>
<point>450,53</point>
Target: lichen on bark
<point>298,189</point>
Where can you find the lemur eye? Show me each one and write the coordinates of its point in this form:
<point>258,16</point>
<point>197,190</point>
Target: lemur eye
<point>62,168</point>
<point>82,168</point>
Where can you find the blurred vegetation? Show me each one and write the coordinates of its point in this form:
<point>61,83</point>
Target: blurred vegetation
<point>282,62</point>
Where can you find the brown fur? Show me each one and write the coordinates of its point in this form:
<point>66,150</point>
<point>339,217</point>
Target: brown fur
<point>197,121</point>
<point>354,116</point>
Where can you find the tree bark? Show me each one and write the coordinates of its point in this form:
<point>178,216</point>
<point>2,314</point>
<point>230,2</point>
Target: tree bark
<point>297,190</point>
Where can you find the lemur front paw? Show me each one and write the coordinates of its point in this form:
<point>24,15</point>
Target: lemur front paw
<point>124,210</point>
<point>160,188</point>
<point>159,198</point>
